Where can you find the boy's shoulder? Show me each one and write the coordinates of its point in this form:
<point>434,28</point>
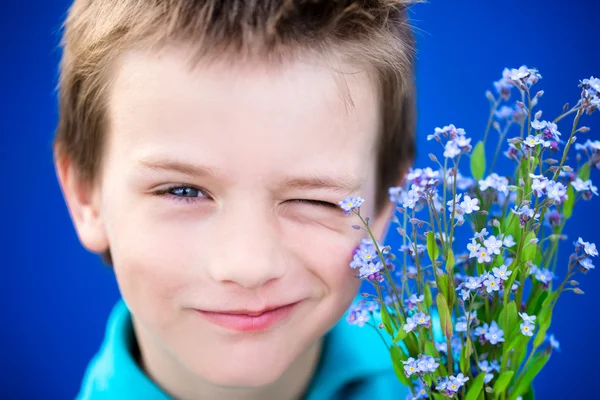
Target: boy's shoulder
<point>354,365</point>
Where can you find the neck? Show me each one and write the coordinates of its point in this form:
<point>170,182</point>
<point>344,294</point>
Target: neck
<point>180,383</point>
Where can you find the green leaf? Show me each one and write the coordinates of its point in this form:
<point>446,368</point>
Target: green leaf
<point>443,284</point>
<point>529,249</point>
<point>450,260</point>
<point>396,355</point>
<point>385,318</point>
<point>503,381</point>
<point>509,312</point>
<point>432,248</point>
<point>569,203</point>
<point>478,161</point>
<point>400,335</point>
<point>428,300</point>
<point>445,316</point>
<point>476,387</point>
<point>545,321</point>
<point>584,172</point>
<point>465,356</point>
<point>531,371</point>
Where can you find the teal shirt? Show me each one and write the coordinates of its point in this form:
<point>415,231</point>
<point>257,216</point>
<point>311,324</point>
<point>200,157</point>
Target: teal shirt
<point>354,365</point>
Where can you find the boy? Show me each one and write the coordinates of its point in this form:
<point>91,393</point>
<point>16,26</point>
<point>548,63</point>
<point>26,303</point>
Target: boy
<point>202,149</point>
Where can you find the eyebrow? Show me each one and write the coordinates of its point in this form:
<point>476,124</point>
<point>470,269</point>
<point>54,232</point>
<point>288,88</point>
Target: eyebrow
<point>345,183</point>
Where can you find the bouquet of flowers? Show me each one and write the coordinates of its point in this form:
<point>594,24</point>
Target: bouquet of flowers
<point>470,320</point>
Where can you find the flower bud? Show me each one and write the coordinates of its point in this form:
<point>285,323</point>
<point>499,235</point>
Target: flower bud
<point>573,139</point>
<point>566,107</point>
<point>520,104</point>
<point>566,168</point>
<point>432,157</point>
<point>381,325</point>
<point>402,231</point>
<point>489,95</point>
<point>578,291</point>
<point>583,129</point>
<point>534,241</point>
<point>573,282</point>
<point>483,212</point>
<point>355,227</point>
<point>539,94</point>
<point>496,223</point>
<point>538,114</point>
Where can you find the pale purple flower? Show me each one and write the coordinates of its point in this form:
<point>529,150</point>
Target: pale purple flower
<point>358,317</point>
<point>538,184</point>
<point>508,241</point>
<point>411,199</point>
<point>532,141</point>
<point>588,248</point>
<point>553,342</point>
<point>501,273</point>
<point>451,149</point>
<point>527,328</point>
<point>351,203</point>
<point>494,181</point>
<point>483,255</point>
<point>492,284</point>
<point>421,318</point>
<point>504,112</point>
<point>544,275</point>
<point>481,234</point>
<point>556,191</point>
<point>495,334</point>
<point>413,300</point>
<point>410,325</point>
<point>472,283</point>
<point>530,319</point>
<point>482,330</point>
<point>410,367</point>
<point>587,263</point>
<point>469,204</point>
<point>493,245</point>
<point>473,247</point>
<point>464,294</point>
<point>427,364</point>
<point>581,186</point>
<point>370,269</point>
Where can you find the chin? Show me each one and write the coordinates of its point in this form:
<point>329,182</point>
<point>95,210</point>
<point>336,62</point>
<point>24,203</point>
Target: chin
<point>242,374</point>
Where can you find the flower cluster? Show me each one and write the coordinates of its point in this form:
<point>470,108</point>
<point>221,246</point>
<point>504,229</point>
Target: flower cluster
<point>471,316</point>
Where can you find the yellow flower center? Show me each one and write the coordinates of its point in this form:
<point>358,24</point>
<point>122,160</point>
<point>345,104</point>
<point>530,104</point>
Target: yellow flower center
<point>422,320</point>
<point>453,387</point>
<point>492,283</point>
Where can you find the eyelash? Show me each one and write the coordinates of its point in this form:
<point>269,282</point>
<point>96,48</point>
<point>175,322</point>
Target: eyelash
<point>167,193</point>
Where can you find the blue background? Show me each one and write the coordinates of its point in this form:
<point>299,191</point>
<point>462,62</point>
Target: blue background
<point>55,296</point>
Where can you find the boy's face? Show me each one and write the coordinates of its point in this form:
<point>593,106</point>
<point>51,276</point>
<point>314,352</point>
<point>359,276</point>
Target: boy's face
<point>236,146</point>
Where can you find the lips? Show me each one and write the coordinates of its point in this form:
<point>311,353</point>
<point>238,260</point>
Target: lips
<point>248,320</point>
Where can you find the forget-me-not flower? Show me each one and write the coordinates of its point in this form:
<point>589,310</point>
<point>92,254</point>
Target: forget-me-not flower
<point>351,203</point>
<point>495,334</point>
<point>501,273</point>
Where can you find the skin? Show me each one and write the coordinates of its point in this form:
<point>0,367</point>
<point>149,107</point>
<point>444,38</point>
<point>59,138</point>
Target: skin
<point>238,238</point>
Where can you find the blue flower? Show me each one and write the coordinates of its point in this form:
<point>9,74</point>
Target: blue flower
<point>544,275</point>
<point>419,392</point>
<point>495,334</point>
<point>482,330</point>
<point>369,269</point>
<point>483,256</point>
<point>556,191</point>
<point>553,342</point>
<point>587,263</point>
<point>588,248</point>
<point>421,319</point>
<point>427,364</point>
<point>527,328</point>
<point>492,284</point>
<point>494,181</point>
<point>501,273</point>
<point>410,325</point>
<point>508,241</point>
<point>481,234</point>
<point>410,367</point>
<point>469,204</point>
<point>472,283</point>
<point>464,294</point>
<point>351,203</point>
<point>493,245</point>
<point>413,300</point>
<point>358,317</point>
<point>530,319</point>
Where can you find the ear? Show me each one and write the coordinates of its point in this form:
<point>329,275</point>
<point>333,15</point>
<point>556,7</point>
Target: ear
<point>83,203</point>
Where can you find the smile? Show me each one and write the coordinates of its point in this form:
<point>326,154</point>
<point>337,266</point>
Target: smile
<point>246,321</point>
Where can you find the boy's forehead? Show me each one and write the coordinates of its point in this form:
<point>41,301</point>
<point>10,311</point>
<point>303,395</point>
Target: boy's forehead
<point>247,114</point>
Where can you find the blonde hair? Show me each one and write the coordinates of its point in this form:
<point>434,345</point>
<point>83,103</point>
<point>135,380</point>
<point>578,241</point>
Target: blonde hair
<point>375,33</point>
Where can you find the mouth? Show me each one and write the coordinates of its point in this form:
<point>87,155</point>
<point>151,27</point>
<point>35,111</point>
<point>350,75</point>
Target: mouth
<point>247,320</point>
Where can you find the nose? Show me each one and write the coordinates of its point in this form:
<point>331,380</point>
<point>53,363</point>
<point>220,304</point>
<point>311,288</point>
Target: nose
<point>246,250</point>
